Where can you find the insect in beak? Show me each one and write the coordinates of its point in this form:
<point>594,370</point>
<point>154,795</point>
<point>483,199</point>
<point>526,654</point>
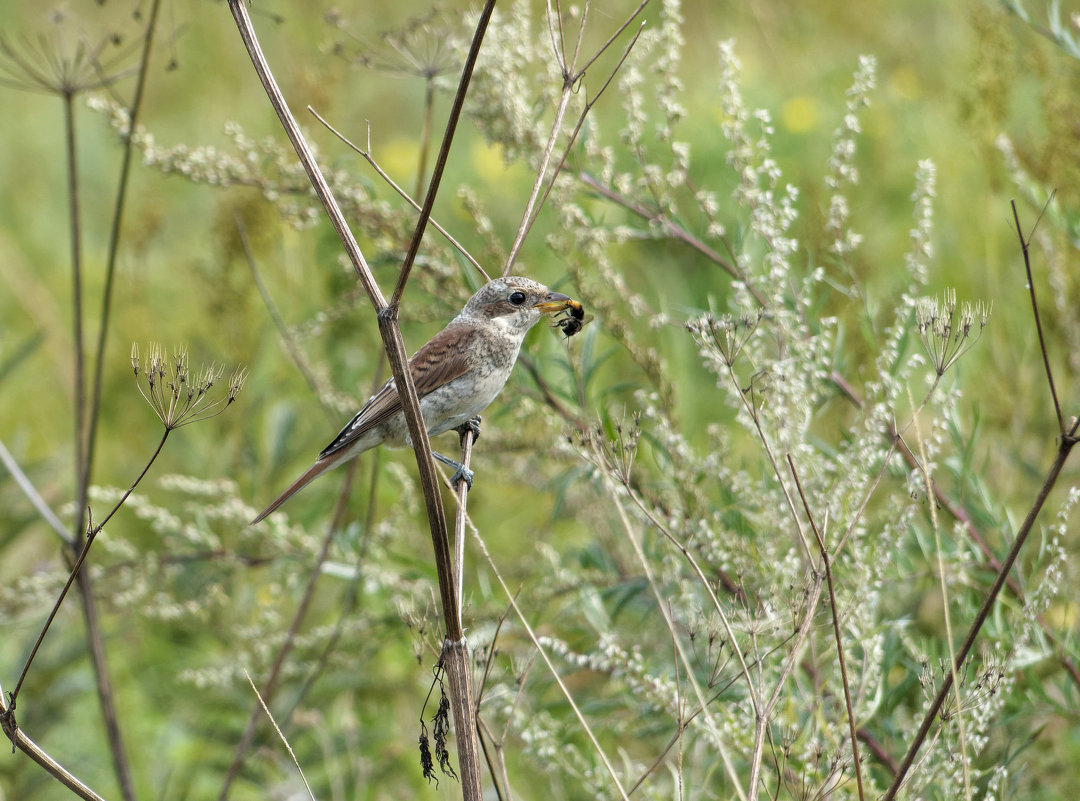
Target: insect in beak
<point>572,318</point>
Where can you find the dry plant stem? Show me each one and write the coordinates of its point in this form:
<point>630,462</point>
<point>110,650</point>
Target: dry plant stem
<point>275,315</point>
<point>33,750</point>
<point>943,583</point>
<point>76,572</point>
<point>1025,245</point>
<point>958,513</point>
<point>395,350</point>
<point>852,728</point>
<point>443,157</point>
<point>79,547</point>
<point>551,668</point>
<point>751,690</point>
<point>366,155</point>
<point>455,660</point>
<point>1068,438</point>
<point>455,656</point>
<point>270,687</point>
<point>114,238</point>
<point>43,509</point>
<point>673,230</point>
<point>664,610</point>
<point>1064,448</point>
<point>468,436</point>
<point>77,316</point>
<point>570,80</point>
<point>280,734</point>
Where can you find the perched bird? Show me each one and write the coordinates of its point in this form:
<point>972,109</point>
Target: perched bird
<point>457,374</point>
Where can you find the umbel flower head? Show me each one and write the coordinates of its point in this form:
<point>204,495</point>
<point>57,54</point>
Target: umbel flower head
<point>65,60</point>
<point>423,47</point>
<point>176,396</point>
<point>947,335</point>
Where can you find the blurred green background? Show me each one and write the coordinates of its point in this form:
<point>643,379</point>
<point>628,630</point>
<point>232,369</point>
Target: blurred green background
<point>952,78</point>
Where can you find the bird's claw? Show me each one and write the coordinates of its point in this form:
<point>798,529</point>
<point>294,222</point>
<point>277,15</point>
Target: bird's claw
<point>462,473</point>
<point>473,425</point>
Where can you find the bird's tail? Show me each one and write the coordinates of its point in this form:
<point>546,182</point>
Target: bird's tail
<point>313,472</point>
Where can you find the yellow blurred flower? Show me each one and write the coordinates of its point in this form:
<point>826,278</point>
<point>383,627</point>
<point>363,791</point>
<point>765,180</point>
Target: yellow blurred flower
<point>800,114</point>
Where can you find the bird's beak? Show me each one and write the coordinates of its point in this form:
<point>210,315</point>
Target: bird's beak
<point>554,303</point>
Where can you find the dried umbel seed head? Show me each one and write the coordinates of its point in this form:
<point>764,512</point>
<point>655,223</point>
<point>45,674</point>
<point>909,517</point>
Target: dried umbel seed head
<point>947,335</point>
<point>177,397</point>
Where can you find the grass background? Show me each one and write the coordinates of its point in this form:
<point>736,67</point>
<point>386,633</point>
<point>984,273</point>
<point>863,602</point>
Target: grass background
<point>952,77</point>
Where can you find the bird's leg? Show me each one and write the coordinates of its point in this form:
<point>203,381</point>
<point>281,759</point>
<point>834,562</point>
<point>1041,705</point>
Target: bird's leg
<point>462,471</point>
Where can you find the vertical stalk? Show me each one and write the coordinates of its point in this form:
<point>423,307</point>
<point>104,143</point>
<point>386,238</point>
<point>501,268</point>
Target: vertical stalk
<point>82,471</point>
<point>114,243</point>
<point>75,234</point>
<point>395,349</point>
<point>425,136</point>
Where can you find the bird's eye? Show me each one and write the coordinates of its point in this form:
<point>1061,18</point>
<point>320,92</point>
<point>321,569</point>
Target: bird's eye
<point>517,298</point>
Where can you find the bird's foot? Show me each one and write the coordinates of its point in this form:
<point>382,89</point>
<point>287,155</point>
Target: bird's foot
<point>461,471</point>
<point>473,425</point>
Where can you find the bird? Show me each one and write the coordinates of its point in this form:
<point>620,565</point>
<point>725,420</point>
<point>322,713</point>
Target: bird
<point>457,374</point>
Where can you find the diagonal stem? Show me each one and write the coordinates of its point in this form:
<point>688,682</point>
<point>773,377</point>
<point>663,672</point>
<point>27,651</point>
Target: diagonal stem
<point>35,752</point>
<point>367,156</point>
<point>444,150</point>
<point>1062,456</point>
<point>76,570</point>
<point>852,728</point>
<point>270,686</point>
<point>1025,245</point>
<point>395,350</point>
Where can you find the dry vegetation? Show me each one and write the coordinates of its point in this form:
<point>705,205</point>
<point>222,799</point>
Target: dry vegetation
<point>792,516</point>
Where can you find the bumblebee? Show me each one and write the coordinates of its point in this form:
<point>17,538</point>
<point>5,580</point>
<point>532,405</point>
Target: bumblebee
<point>572,319</point>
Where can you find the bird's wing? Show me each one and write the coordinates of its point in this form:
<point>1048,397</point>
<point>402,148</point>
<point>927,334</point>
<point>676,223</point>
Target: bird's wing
<point>439,362</point>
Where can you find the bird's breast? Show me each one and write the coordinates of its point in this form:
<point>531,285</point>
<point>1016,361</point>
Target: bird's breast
<point>470,393</point>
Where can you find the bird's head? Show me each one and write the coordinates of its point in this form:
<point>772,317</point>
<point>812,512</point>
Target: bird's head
<point>514,302</point>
